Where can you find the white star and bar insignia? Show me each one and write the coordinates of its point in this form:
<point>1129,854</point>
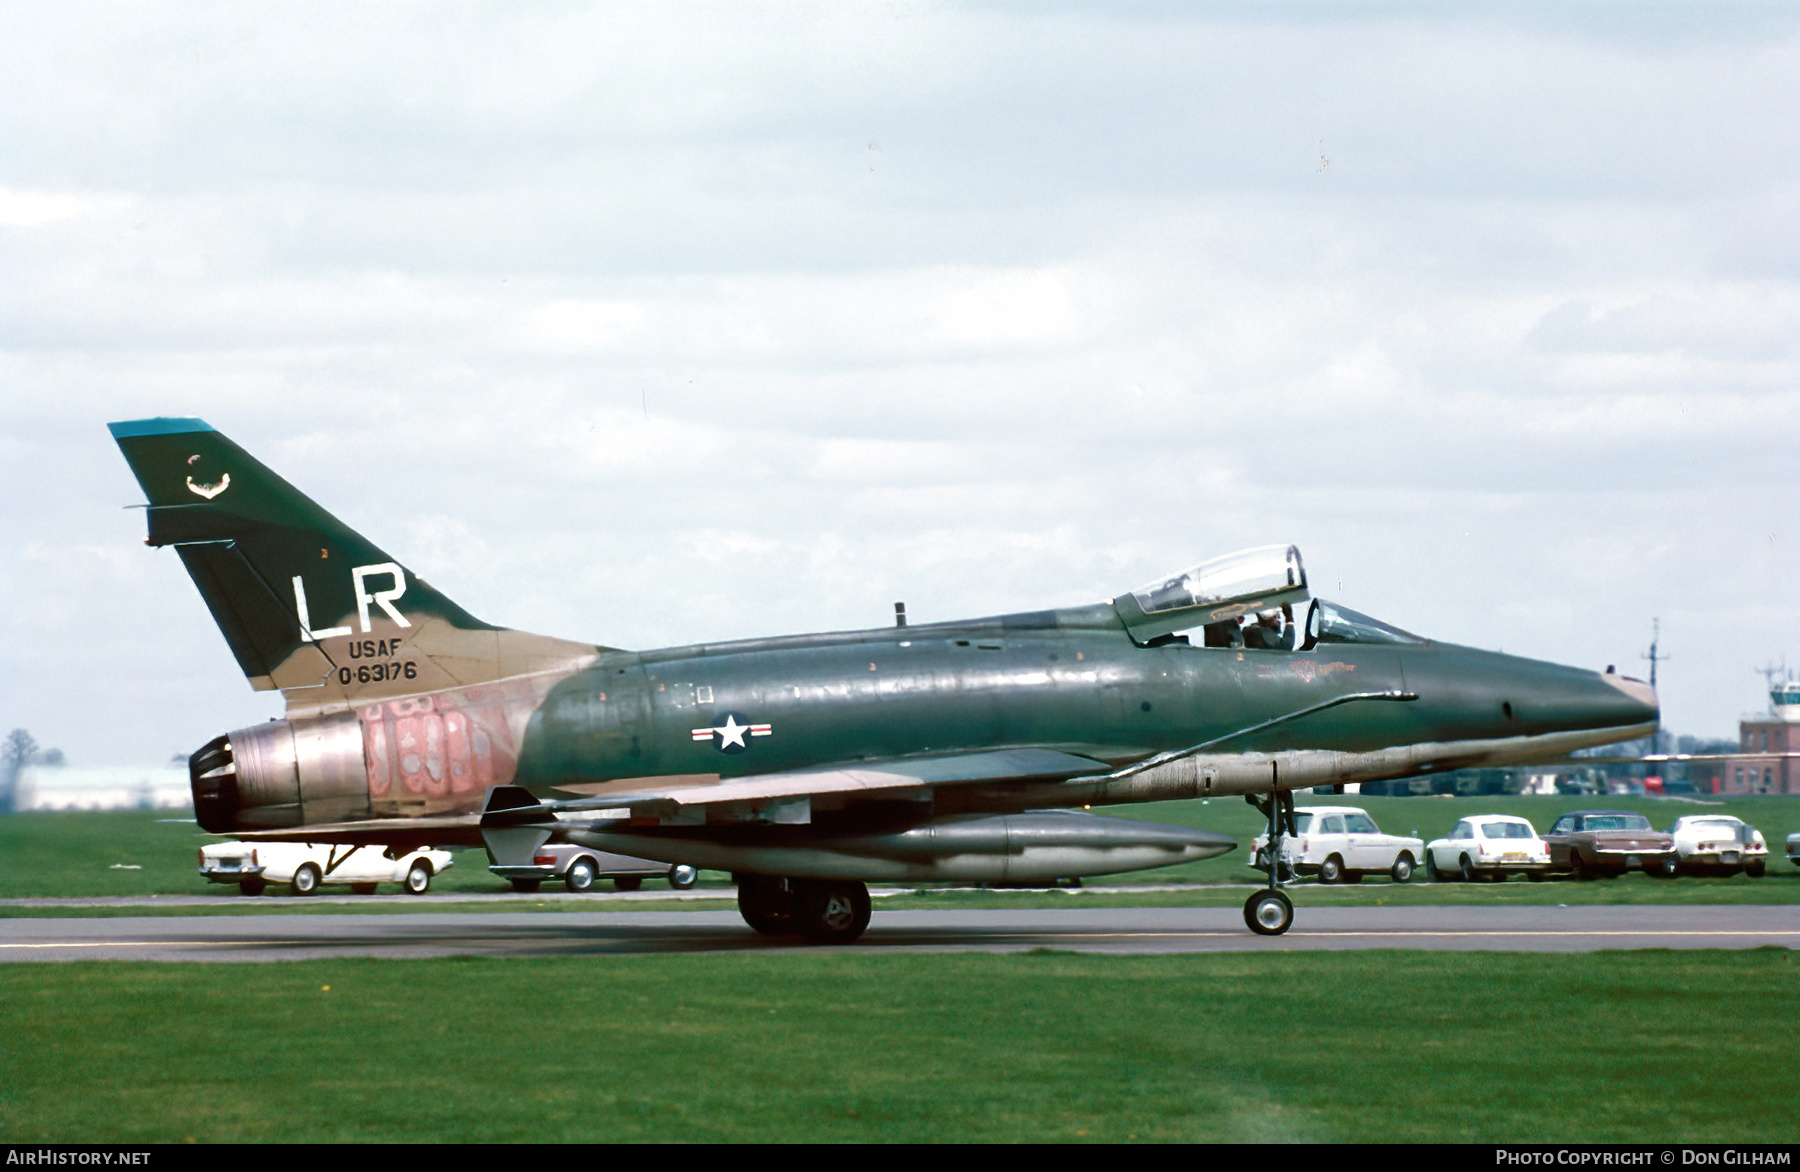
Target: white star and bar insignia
<point>731,733</point>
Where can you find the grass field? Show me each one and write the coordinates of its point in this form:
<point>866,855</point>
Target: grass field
<point>138,853</point>
<point>1371,1047</point>
<point>803,1046</point>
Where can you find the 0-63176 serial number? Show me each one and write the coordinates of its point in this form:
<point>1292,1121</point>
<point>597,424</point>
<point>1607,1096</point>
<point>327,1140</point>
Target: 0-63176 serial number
<point>375,673</point>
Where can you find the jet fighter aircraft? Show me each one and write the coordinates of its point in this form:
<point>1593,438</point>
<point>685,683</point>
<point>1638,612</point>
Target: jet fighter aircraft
<point>809,765</point>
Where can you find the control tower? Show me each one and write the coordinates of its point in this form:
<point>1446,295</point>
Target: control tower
<point>1768,743</point>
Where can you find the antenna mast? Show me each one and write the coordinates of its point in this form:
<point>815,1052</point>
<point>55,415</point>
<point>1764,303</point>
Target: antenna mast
<point>1651,655</point>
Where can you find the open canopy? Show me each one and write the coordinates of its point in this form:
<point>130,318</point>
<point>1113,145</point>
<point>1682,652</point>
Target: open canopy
<point>1221,590</point>
<point>1252,598</point>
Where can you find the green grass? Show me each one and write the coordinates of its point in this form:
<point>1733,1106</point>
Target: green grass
<point>1351,1047</point>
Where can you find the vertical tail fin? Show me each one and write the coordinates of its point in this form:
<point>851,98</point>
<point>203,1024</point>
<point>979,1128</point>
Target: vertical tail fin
<point>307,604</point>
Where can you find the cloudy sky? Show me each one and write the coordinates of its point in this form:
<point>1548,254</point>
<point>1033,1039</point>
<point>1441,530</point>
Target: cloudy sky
<point>645,324</point>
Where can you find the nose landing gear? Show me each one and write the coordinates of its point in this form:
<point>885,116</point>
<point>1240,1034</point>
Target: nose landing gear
<point>1270,912</point>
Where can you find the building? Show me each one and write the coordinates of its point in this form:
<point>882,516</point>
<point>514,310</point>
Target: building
<point>120,787</point>
<point>1767,745</point>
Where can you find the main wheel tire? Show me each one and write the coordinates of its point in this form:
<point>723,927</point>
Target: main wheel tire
<point>1268,913</point>
<point>1353,876</point>
<point>627,882</point>
<point>581,875</point>
<point>1402,870</point>
<point>1431,869</point>
<point>1576,869</point>
<point>418,878</point>
<point>1331,870</point>
<point>306,879</point>
<point>525,886</point>
<point>1756,869</point>
<point>1468,870</point>
<point>832,912</point>
<point>682,877</point>
<point>767,904</point>
<point>362,889</point>
<point>251,886</point>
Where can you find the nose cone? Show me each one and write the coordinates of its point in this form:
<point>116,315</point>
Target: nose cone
<point>1485,694</point>
<point>1639,706</point>
<point>1572,700</point>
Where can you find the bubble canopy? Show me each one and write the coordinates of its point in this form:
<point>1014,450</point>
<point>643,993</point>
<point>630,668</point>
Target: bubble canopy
<point>1223,588</point>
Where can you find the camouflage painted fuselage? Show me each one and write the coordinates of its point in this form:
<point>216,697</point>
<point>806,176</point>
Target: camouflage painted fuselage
<point>1071,680</point>
<point>406,713</point>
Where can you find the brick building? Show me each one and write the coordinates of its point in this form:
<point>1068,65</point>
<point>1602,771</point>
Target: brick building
<point>1766,764</point>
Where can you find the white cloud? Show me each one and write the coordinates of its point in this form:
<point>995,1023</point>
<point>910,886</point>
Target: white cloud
<point>785,313</point>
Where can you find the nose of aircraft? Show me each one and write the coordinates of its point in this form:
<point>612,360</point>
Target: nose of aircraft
<point>1548,697</point>
<point>1639,705</point>
<point>1487,694</point>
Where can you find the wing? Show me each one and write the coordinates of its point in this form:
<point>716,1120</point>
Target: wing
<point>661,797</point>
<point>772,796</point>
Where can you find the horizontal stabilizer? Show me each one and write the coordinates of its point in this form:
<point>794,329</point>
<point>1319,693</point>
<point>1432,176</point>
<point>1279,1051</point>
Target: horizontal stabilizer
<point>399,833</point>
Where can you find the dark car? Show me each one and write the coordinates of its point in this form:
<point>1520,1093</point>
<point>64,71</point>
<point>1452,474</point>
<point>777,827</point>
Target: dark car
<point>1607,843</point>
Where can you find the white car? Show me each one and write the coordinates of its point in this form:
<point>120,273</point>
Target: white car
<point>579,866</point>
<point>1719,843</point>
<point>1340,844</point>
<point>1488,846</point>
<point>305,866</point>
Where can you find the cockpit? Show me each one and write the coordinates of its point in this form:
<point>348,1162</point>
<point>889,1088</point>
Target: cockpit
<point>1256,598</point>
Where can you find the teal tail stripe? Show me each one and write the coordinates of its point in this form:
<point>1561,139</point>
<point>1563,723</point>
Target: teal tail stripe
<point>161,426</point>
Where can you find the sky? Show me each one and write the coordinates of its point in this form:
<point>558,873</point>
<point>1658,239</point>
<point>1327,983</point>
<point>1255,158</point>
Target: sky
<point>652,324</point>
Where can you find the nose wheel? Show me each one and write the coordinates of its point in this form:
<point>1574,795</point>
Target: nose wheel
<point>1270,912</point>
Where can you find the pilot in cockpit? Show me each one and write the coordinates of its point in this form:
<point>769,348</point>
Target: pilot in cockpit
<point>1267,630</point>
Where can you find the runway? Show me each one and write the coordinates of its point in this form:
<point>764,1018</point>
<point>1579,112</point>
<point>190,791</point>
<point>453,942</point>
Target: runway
<point>1103,930</point>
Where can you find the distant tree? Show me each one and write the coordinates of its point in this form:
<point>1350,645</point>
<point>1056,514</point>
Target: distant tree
<point>51,757</point>
<point>18,749</point>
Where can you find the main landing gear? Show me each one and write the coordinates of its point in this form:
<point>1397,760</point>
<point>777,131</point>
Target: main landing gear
<point>1270,912</point>
<point>820,911</point>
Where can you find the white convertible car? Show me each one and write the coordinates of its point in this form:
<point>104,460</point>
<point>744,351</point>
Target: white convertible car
<point>1488,846</point>
<point>1340,844</point>
<point>1720,844</point>
<point>304,866</point>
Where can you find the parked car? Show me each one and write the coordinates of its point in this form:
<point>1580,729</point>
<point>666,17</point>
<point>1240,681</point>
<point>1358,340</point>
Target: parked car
<point>580,866</point>
<point>1719,844</point>
<point>1340,844</point>
<point>1488,846</point>
<point>1607,843</point>
<point>305,866</point>
<point>1793,849</point>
